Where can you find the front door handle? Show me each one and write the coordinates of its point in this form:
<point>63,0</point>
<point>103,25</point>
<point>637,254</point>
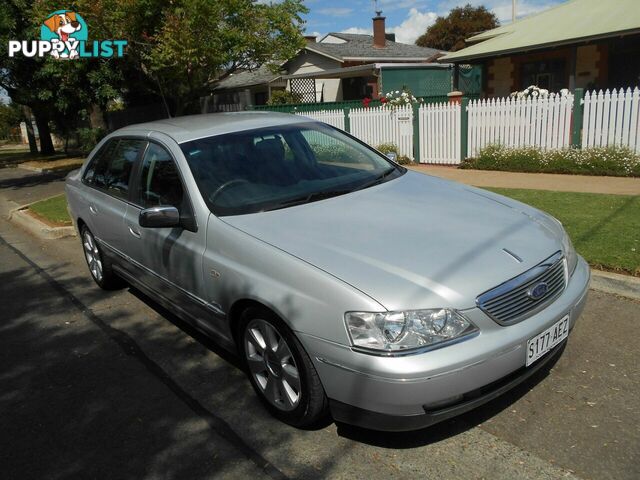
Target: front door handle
<point>134,232</point>
<point>93,209</point>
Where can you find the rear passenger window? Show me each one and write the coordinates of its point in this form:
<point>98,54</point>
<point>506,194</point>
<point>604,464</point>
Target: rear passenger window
<point>111,170</point>
<point>160,181</point>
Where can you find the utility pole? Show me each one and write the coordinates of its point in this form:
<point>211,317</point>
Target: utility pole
<point>513,10</point>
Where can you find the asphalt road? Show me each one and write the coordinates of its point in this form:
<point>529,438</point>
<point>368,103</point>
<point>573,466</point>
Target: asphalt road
<point>100,384</point>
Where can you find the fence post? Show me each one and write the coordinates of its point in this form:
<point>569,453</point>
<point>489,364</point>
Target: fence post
<point>416,132</point>
<point>464,128</point>
<point>578,109</point>
<point>347,121</point>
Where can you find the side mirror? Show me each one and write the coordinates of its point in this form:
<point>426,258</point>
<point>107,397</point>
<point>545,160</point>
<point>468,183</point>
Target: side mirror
<point>159,217</point>
<point>393,156</point>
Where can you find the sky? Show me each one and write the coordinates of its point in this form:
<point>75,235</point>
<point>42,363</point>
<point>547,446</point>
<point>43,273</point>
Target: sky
<point>408,19</point>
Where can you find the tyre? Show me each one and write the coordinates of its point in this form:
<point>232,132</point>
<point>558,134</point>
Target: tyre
<point>99,266</point>
<point>280,370</point>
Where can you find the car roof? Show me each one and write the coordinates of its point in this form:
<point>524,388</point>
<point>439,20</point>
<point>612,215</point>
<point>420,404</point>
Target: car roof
<point>192,127</point>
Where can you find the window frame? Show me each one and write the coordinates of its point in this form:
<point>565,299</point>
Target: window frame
<point>188,217</point>
<point>132,174</point>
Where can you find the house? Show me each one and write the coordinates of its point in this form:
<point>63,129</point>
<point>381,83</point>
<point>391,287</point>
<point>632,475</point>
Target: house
<point>592,44</point>
<point>340,66</point>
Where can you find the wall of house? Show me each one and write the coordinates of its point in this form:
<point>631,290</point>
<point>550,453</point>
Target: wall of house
<point>587,63</point>
<point>309,62</point>
<point>500,77</point>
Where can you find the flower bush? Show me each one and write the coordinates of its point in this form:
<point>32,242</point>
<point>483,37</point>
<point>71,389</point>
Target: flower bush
<point>392,148</point>
<point>613,161</point>
<point>399,98</point>
<point>532,91</point>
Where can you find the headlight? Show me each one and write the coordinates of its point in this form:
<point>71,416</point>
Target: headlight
<point>569,253</point>
<point>400,331</point>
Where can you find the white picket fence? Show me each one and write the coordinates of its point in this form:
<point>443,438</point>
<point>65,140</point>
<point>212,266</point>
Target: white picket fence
<point>332,117</point>
<point>439,128</point>
<point>612,118</point>
<point>609,118</point>
<point>384,125</point>
<point>543,122</point>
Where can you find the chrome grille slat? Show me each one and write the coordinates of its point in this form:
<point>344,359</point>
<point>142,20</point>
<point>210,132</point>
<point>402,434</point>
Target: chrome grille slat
<point>558,276</point>
<point>510,302</point>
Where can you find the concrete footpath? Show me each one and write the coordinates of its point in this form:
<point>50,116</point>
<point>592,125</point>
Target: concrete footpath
<point>535,181</point>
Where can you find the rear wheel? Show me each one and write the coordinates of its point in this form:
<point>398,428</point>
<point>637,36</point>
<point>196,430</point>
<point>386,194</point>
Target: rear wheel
<point>280,370</point>
<point>99,266</point>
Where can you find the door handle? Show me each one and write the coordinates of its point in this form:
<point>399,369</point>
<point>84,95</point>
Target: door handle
<point>93,209</point>
<point>134,232</point>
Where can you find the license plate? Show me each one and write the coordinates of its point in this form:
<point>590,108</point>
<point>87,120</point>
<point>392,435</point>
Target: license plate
<point>545,341</point>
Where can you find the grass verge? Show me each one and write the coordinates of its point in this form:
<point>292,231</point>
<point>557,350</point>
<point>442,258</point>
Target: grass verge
<point>52,210</point>
<point>605,229</point>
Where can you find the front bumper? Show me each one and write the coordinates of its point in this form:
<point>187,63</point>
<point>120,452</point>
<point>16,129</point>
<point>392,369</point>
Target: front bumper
<point>414,391</point>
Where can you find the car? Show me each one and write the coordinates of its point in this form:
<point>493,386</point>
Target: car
<point>350,286</point>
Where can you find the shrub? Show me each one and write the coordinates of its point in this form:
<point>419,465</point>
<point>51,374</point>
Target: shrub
<point>283,97</point>
<point>89,138</point>
<point>613,161</point>
<point>392,148</point>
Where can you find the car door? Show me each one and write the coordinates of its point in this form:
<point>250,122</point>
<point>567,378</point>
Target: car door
<point>108,177</point>
<point>170,259</point>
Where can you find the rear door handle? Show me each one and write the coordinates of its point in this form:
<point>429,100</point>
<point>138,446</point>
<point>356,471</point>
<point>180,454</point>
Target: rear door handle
<point>93,209</point>
<point>134,232</point>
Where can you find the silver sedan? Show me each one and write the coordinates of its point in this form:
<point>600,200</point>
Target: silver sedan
<point>349,285</point>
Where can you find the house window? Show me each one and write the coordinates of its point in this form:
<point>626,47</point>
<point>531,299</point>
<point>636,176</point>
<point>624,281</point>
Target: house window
<point>549,74</point>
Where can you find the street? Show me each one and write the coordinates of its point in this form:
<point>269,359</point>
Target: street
<point>98,384</point>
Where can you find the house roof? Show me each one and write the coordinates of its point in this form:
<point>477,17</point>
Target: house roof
<point>360,47</point>
<point>567,23</point>
<point>246,78</point>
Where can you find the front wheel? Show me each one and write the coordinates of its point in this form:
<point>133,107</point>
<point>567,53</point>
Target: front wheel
<point>280,370</point>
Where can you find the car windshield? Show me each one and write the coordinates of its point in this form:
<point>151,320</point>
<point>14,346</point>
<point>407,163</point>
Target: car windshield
<point>283,166</point>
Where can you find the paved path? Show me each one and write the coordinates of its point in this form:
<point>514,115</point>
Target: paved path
<point>537,181</point>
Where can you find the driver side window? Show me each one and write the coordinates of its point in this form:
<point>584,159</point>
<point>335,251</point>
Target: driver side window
<point>160,181</point>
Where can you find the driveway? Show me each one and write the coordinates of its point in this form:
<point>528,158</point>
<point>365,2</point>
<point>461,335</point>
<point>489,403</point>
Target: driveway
<point>109,385</point>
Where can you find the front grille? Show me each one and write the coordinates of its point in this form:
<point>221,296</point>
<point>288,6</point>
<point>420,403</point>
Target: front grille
<point>513,301</point>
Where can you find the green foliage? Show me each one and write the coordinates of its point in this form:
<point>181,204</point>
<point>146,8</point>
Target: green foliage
<point>10,118</point>
<point>392,148</point>
<point>605,229</point>
<point>449,33</point>
<point>89,138</point>
<point>613,161</point>
<point>284,97</point>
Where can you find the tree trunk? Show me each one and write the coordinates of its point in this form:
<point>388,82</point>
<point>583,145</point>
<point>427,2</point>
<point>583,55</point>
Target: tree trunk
<point>31,136</point>
<point>96,117</point>
<point>42,122</point>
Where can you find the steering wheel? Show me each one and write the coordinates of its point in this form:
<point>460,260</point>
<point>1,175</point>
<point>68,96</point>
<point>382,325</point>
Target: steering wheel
<point>230,183</point>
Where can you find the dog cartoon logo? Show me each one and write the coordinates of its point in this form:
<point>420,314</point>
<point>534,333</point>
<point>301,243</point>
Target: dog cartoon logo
<point>66,27</point>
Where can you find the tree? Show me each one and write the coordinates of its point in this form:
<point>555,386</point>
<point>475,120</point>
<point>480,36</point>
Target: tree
<point>186,49</point>
<point>450,32</point>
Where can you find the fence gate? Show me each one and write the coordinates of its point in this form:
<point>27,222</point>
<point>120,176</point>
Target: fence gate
<point>439,127</point>
<point>384,125</point>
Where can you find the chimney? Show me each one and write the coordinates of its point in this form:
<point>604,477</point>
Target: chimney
<point>379,40</point>
<point>310,38</point>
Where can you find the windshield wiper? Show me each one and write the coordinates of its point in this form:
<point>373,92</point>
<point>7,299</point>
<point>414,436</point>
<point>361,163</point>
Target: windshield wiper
<point>379,179</point>
<point>311,197</point>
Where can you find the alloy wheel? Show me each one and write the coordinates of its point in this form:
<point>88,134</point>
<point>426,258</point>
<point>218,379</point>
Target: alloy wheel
<point>272,365</point>
<point>92,255</point>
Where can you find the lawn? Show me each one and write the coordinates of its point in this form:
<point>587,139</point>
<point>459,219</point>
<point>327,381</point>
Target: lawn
<point>53,209</point>
<point>605,229</point>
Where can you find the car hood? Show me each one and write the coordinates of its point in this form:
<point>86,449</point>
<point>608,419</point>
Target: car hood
<point>412,242</point>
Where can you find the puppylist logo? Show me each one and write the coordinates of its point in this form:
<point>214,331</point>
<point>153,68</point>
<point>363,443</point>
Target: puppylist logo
<point>64,34</point>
